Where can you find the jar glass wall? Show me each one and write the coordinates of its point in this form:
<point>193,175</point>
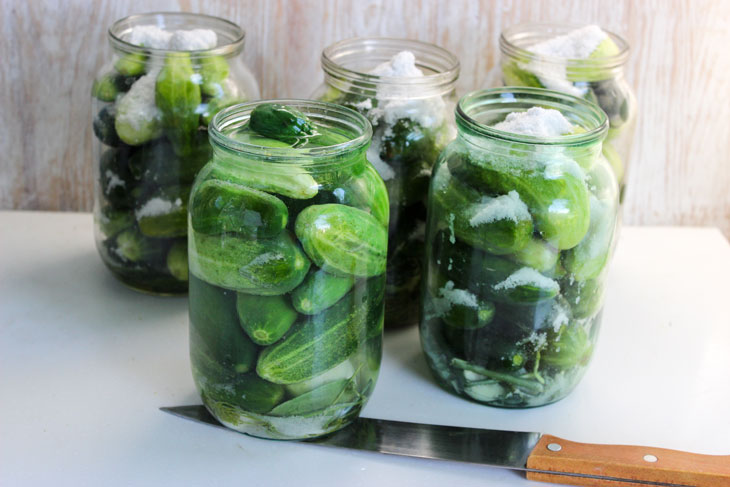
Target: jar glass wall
<point>169,73</point>
<point>287,245</point>
<point>600,78</point>
<point>519,235</point>
<point>406,89</point>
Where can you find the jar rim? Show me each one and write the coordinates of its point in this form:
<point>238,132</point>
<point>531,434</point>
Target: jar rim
<point>513,42</point>
<point>588,111</point>
<point>442,65</point>
<point>232,32</point>
<point>239,114</point>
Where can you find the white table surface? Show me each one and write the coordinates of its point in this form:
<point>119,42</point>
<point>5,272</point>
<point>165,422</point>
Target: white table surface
<point>85,363</point>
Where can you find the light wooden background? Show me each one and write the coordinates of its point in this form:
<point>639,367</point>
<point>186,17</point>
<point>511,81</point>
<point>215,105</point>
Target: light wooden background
<point>680,68</point>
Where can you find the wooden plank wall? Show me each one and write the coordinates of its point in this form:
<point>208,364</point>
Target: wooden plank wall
<point>680,68</point>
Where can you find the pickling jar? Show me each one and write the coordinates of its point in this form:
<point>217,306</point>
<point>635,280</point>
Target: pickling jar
<point>412,120</point>
<point>152,102</point>
<point>600,80</point>
<point>287,247</point>
<point>518,241</point>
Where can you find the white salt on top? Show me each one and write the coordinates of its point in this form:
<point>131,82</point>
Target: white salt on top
<point>458,296</point>
<point>526,276</point>
<point>576,44</point>
<point>505,207</point>
<point>179,40</point>
<point>158,206</point>
<point>402,65</point>
<point>537,122</point>
<point>193,40</point>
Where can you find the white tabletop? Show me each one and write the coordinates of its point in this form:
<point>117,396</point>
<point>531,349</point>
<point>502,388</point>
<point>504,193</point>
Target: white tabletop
<point>85,363</point>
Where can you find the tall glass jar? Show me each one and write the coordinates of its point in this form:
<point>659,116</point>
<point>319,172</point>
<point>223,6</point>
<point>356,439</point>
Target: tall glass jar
<point>412,118</point>
<point>599,78</point>
<point>287,253</point>
<point>169,73</point>
<point>519,236</point>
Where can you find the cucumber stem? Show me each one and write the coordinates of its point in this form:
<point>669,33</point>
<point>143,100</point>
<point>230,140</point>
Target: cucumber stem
<point>528,385</point>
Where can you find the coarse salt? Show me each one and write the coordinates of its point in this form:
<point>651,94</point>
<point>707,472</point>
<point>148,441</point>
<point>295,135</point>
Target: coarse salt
<point>536,122</point>
<point>576,44</point>
<point>402,65</point>
<point>178,40</point>
<point>505,207</point>
<point>137,107</point>
<point>158,206</point>
<point>526,276</point>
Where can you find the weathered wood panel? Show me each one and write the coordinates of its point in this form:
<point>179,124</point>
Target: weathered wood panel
<point>680,67</point>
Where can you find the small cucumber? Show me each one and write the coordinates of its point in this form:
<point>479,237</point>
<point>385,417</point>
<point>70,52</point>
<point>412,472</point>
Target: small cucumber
<point>214,327</point>
<point>319,291</point>
<point>312,401</point>
<point>571,347</point>
<point>343,240</point>
<point>344,370</point>
<point>251,393</point>
<point>365,191</point>
<point>132,64</point>
<point>291,181</point>
<point>164,214</point>
<point>262,267</point>
<point>279,122</point>
<point>264,318</point>
<point>316,345</point>
<point>219,207</point>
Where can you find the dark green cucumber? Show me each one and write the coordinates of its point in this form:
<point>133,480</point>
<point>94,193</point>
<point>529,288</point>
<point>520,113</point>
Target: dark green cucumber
<point>251,393</point>
<point>570,347</point>
<point>319,291</point>
<point>262,267</point>
<point>343,240</point>
<point>215,330</point>
<point>219,207</point>
<point>103,126</point>
<point>315,345</point>
<point>178,97</point>
<point>265,318</point>
<point>279,122</point>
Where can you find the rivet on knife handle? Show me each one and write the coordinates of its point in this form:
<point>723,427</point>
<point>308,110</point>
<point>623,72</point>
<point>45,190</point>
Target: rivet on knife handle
<point>568,462</point>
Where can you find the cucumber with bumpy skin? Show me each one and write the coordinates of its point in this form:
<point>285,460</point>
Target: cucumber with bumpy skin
<point>220,207</point>
<point>315,345</point>
<point>312,401</point>
<point>343,240</point>
<point>262,267</point>
<point>319,291</point>
<point>264,318</point>
<point>280,122</point>
<point>251,393</point>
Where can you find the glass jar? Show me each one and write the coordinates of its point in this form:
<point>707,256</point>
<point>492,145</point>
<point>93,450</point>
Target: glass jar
<point>287,274</point>
<point>519,235</point>
<point>599,79</point>
<point>412,120</point>
<point>151,107</point>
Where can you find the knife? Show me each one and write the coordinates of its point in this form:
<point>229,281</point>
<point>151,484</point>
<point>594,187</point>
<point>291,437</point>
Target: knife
<point>543,457</point>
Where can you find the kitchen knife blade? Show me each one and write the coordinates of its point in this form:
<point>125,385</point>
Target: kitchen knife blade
<point>543,457</point>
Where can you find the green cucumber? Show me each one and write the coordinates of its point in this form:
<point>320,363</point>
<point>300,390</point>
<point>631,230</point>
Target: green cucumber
<point>262,267</point>
<point>279,122</point>
<point>312,401</point>
<point>536,254</point>
<point>164,214</point>
<point>319,291</point>
<point>220,207</point>
<point>343,240</point>
<point>292,181</point>
<point>367,192</point>
<point>264,318</point>
<point>316,345</point>
<point>132,64</point>
<point>344,370</point>
<point>214,323</point>
<point>251,393</point>
<point>178,98</point>
<point>569,348</point>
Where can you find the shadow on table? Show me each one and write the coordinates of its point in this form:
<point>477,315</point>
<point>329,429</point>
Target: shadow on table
<point>404,347</point>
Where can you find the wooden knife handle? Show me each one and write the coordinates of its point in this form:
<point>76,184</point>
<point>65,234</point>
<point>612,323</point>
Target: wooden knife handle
<point>634,465</point>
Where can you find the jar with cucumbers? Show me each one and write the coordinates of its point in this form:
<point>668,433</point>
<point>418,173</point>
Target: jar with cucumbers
<point>151,107</point>
<point>287,243</point>
<point>521,222</point>
<point>584,61</point>
<point>406,89</point>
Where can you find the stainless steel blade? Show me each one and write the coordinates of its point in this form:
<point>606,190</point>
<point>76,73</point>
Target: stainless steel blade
<point>495,448</point>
